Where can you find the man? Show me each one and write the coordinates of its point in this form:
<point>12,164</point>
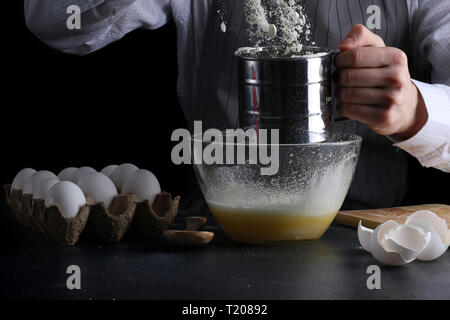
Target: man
<point>375,71</point>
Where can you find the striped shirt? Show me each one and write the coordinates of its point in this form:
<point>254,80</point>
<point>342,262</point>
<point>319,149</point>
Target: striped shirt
<point>207,87</point>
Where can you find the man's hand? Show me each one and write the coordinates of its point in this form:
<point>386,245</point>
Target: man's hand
<point>375,86</point>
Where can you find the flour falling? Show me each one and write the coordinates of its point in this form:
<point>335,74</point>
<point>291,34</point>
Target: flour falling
<point>281,23</point>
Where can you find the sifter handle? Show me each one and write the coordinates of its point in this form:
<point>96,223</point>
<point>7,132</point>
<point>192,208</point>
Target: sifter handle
<point>334,53</point>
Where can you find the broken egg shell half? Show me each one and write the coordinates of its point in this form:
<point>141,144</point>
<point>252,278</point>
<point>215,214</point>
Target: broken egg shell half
<point>408,242</point>
<point>429,222</point>
<point>364,236</point>
<point>393,244</point>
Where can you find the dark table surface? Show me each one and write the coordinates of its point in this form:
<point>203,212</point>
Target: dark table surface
<point>333,267</point>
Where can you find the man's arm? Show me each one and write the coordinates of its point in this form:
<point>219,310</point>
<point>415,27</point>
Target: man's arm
<point>431,27</point>
<point>102,21</point>
<point>376,88</point>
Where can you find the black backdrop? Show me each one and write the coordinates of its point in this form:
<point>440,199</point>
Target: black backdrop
<point>115,105</point>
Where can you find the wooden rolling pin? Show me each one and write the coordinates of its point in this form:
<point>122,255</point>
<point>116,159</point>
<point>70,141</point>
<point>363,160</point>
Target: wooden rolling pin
<point>372,218</point>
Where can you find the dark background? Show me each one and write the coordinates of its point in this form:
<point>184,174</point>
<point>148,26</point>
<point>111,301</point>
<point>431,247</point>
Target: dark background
<point>119,105</point>
<point>115,105</point>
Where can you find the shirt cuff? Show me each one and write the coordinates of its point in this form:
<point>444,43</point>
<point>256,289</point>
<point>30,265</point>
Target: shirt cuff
<point>430,144</point>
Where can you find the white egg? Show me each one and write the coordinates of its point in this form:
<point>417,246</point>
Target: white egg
<point>81,172</point>
<point>35,179</point>
<point>121,173</point>
<point>22,177</point>
<point>66,173</point>
<point>429,222</point>
<point>98,186</point>
<point>109,169</point>
<point>40,192</point>
<point>68,196</point>
<point>143,184</point>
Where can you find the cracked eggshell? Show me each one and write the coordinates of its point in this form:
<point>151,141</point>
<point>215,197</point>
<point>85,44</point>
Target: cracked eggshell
<point>143,184</point>
<point>408,242</point>
<point>68,196</point>
<point>33,182</point>
<point>429,222</point>
<point>21,177</point>
<point>80,173</point>
<point>42,189</point>
<point>430,218</point>
<point>65,174</point>
<point>121,173</point>
<point>99,187</point>
<point>109,169</point>
<point>364,236</point>
<point>396,245</point>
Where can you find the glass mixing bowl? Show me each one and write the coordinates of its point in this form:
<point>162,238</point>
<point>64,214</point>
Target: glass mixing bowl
<point>298,202</point>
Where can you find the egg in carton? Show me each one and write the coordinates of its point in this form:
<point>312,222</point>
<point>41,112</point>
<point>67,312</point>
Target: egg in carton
<point>65,219</point>
<point>109,223</point>
<point>19,198</point>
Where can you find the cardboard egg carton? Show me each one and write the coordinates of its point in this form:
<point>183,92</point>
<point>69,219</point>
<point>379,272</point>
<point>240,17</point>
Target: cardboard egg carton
<point>110,224</point>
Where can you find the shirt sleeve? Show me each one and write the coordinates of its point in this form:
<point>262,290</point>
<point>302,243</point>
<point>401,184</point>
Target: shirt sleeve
<point>102,21</point>
<point>431,30</point>
<point>431,145</point>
